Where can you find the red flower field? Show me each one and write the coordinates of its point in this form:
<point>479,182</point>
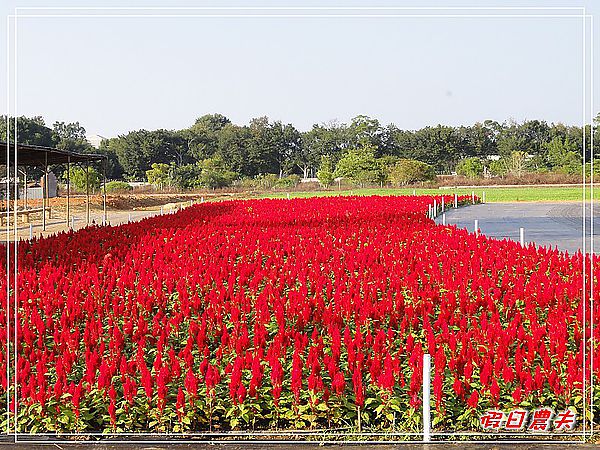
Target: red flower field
<point>289,314</point>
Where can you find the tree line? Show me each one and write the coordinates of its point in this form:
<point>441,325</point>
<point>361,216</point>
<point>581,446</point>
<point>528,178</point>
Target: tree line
<point>214,151</point>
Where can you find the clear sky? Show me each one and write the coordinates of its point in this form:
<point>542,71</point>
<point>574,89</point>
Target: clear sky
<point>114,75</point>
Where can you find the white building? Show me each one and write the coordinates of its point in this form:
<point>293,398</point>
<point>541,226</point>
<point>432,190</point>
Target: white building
<point>95,139</point>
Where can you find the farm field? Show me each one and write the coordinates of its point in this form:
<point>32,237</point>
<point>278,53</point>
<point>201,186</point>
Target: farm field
<point>312,313</point>
<point>492,194</point>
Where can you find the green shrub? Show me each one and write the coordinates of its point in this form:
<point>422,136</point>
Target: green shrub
<point>118,186</point>
<point>470,167</point>
<point>291,181</point>
<point>407,171</point>
<point>325,173</point>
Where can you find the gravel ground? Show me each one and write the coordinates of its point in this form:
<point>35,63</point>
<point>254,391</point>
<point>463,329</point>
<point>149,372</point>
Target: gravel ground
<point>554,224</point>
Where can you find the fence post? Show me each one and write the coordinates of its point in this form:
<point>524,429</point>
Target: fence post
<point>161,210</point>
<point>443,204</point>
<point>522,236</point>
<point>191,202</point>
<point>414,192</point>
<point>201,199</point>
<point>483,197</point>
<point>455,200</point>
<point>30,231</point>
<point>129,218</point>
<point>476,227</point>
<point>434,208</point>
<point>426,397</point>
<point>473,196</point>
<point>443,218</point>
<point>288,195</point>
<point>73,222</point>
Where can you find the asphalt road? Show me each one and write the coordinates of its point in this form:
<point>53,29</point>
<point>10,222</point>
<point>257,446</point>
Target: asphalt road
<point>558,224</point>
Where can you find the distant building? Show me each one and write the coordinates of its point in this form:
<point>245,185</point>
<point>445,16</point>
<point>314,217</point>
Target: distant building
<point>95,140</point>
<point>52,185</point>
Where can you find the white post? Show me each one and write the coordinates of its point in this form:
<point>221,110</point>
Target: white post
<point>288,196</point>
<point>191,202</point>
<point>201,199</point>
<point>30,231</point>
<point>473,196</point>
<point>426,397</point>
<point>455,200</point>
<point>443,218</point>
<point>476,227</point>
<point>429,211</point>
<point>414,192</point>
<point>434,208</point>
<point>483,197</point>
<point>73,222</point>
<point>161,210</point>
<point>129,218</point>
<point>522,236</point>
<point>443,206</point>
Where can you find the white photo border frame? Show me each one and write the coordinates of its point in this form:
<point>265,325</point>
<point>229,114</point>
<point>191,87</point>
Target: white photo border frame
<point>582,15</point>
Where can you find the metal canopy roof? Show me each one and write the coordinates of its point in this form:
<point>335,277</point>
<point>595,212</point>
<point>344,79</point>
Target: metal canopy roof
<point>35,155</point>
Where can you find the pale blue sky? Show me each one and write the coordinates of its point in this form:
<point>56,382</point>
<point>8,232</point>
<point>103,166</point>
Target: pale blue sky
<point>114,75</point>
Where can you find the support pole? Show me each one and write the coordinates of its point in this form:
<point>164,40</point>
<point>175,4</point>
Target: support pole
<point>426,397</point>
<point>129,218</point>
<point>434,208</point>
<point>455,200</point>
<point>414,192</point>
<point>473,196</point>
<point>483,197</point>
<point>522,236</point>
<point>444,219</point>
<point>68,188</point>
<point>25,186</point>
<point>45,191</point>
<point>476,227</point>
<point>87,193</point>
<point>104,218</point>
<point>30,231</point>
<point>443,203</point>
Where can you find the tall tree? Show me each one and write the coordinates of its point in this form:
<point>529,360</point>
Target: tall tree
<point>30,130</point>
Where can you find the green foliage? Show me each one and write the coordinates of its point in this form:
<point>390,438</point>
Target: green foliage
<point>325,173</point>
<point>266,181</point>
<point>214,174</point>
<point>265,146</point>
<point>407,171</point>
<point>516,163</point>
<point>118,186</point>
<point>137,151</point>
<point>562,157</point>
<point>30,130</point>
<point>159,175</point>
<point>185,177</point>
<point>78,178</point>
<point>360,166</point>
<point>290,181</point>
<point>470,167</point>
<point>498,167</point>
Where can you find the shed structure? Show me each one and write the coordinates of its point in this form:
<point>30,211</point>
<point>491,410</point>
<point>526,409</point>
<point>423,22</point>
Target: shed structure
<point>15,155</point>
